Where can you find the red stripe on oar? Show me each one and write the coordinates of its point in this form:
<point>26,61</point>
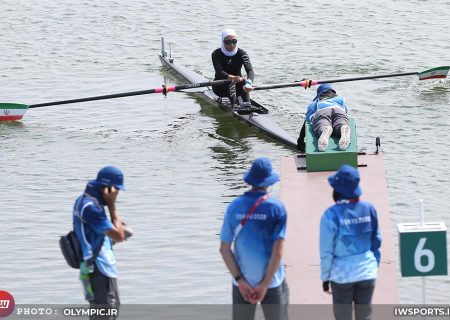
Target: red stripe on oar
<point>438,76</point>
<point>11,118</point>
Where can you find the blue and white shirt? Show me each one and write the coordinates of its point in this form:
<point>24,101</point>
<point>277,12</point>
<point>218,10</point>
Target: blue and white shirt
<point>253,245</point>
<point>90,208</point>
<point>349,243</point>
<point>317,105</point>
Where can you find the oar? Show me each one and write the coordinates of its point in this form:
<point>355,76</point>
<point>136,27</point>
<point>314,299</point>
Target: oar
<point>163,89</point>
<point>16,111</point>
<point>435,73</point>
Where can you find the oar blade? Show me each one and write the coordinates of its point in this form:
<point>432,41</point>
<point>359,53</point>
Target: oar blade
<point>435,73</point>
<point>12,111</point>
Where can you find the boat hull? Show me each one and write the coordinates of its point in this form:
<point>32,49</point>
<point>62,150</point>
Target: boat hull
<point>263,122</point>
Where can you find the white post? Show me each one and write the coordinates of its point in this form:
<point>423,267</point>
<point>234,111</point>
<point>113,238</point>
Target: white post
<point>422,217</point>
<point>422,222</point>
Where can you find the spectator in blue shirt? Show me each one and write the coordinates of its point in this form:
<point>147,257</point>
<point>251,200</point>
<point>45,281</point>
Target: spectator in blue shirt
<point>96,234</point>
<point>349,247</point>
<point>256,223</point>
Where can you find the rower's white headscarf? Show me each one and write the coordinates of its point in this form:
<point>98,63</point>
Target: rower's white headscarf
<point>226,33</point>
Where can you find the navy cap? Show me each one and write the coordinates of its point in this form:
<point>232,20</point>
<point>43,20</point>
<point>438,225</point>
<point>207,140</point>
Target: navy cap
<point>110,176</point>
<point>322,88</point>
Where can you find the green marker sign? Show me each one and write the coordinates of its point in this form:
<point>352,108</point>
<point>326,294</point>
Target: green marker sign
<point>423,249</point>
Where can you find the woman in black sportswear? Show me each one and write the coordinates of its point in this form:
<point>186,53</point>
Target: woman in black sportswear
<point>228,61</point>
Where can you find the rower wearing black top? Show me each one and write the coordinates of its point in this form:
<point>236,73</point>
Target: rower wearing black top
<point>228,61</point>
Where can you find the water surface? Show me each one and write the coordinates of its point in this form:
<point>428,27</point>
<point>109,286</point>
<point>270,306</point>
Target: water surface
<point>183,159</point>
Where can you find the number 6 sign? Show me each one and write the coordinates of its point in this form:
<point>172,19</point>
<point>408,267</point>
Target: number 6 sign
<point>423,249</point>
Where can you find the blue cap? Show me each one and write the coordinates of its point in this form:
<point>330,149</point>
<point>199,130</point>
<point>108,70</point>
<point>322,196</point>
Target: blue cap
<point>110,176</point>
<point>261,173</point>
<point>322,88</point>
<point>346,182</point>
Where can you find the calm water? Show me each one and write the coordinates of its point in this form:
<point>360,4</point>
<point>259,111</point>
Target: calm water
<point>183,159</point>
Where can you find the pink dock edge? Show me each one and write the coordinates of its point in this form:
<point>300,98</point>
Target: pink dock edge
<point>306,196</point>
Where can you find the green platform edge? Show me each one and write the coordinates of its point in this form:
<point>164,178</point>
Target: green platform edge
<point>332,158</point>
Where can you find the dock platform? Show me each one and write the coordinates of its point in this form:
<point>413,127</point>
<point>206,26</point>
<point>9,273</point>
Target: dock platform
<point>306,196</point>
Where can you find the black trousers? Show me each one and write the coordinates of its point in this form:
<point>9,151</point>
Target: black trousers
<point>232,91</point>
<point>345,294</point>
<point>106,294</point>
<point>274,304</point>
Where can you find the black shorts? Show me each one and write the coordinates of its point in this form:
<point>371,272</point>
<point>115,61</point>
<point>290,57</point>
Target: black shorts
<point>223,90</point>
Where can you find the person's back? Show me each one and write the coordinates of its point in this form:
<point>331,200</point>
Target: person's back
<point>256,224</point>
<point>327,115</point>
<point>353,225</point>
<point>349,247</point>
<point>324,102</point>
<point>253,246</point>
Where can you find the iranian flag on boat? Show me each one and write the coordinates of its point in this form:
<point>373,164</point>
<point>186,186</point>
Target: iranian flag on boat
<point>435,73</point>
<point>12,111</point>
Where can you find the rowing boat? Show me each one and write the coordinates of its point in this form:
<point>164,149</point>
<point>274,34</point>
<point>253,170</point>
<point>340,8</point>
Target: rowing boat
<point>259,117</point>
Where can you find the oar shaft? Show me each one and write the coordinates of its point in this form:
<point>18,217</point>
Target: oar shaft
<point>279,85</point>
<point>304,83</point>
<point>163,89</point>
<point>368,77</point>
<point>109,96</point>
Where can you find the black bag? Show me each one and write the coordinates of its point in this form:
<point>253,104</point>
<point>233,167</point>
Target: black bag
<point>71,249</point>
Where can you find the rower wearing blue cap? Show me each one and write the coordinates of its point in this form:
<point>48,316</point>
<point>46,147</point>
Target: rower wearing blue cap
<point>327,114</point>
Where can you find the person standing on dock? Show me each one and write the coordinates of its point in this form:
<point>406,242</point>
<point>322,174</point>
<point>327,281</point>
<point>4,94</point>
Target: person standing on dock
<point>349,247</point>
<point>96,234</point>
<point>327,114</point>
<point>228,61</point>
<point>256,223</point>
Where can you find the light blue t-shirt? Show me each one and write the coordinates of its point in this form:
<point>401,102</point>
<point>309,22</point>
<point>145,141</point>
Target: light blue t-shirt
<point>317,105</point>
<point>89,234</point>
<point>253,245</point>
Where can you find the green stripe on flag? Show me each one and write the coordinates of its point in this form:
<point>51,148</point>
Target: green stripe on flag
<point>13,106</point>
<point>435,73</point>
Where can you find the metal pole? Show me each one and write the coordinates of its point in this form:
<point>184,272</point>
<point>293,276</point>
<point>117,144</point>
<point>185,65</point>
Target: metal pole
<point>422,222</point>
<point>424,291</point>
<point>422,217</point>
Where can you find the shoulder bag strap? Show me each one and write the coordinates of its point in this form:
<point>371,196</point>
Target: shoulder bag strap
<point>249,213</point>
<point>102,238</point>
<point>96,252</point>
